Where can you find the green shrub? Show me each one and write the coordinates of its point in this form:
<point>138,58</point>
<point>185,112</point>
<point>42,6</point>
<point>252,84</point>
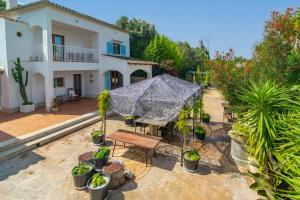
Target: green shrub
<point>81,169</point>
<point>200,130</point>
<point>192,155</point>
<point>101,153</point>
<point>97,133</point>
<point>239,133</point>
<point>97,180</point>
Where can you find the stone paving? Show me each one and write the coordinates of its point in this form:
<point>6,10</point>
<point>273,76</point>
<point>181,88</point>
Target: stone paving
<point>45,173</point>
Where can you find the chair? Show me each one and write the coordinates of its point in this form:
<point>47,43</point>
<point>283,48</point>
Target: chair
<point>72,96</point>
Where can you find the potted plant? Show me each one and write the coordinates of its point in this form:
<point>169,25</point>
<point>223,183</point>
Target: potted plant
<point>55,105</point>
<point>205,117</point>
<point>81,174</point>
<point>100,157</point>
<point>200,132</point>
<point>17,73</point>
<point>129,120</point>
<point>98,137</point>
<point>191,160</point>
<point>98,186</point>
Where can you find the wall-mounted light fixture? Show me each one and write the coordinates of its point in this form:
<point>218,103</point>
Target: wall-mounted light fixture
<point>19,34</point>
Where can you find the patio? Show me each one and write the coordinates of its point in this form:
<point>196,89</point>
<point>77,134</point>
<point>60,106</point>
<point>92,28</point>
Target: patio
<point>37,174</point>
<point>17,124</point>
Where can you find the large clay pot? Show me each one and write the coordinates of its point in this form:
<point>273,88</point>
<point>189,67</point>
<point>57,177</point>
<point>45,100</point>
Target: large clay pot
<point>239,153</point>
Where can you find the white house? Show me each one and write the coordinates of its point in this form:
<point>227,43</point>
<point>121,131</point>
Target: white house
<point>62,48</point>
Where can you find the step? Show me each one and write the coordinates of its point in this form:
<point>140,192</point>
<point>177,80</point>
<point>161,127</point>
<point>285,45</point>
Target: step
<point>45,131</point>
<point>23,147</point>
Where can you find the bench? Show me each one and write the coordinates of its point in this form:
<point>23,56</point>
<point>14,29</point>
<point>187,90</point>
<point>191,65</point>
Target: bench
<point>144,142</point>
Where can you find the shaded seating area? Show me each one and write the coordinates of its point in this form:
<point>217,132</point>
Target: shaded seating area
<point>157,102</point>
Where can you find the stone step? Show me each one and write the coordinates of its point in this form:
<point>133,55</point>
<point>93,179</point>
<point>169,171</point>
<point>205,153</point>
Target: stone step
<point>23,147</point>
<point>44,132</point>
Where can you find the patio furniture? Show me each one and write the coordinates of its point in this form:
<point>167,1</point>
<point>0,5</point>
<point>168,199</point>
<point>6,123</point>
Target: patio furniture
<point>61,98</point>
<point>72,96</point>
<point>129,137</point>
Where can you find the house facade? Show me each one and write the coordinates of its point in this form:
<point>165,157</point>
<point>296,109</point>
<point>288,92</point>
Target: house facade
<point>62,49</point>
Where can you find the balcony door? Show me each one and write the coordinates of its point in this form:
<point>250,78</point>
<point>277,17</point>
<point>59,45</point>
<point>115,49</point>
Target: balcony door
<point>58,42</point>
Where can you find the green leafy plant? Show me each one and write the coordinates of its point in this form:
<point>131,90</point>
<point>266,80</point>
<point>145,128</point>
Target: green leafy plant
<point>198,76</point>
<point>183,123</point>
<point>81,169</point>
<point>98,180</point>
<point>17,73</point>
<point>239,133</point>
<point>200,130</point>
<point>101,153</point>
<point>192,155</point>
<point>97,133</point>
<point>103,106</point>
<point>205,117</point>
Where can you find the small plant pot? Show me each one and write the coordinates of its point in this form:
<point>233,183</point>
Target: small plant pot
<point>101,192</point>
<point>100,162</point>
<point>55,109</point>
<point>80,181</point>
<point>191,165</point>
<point>98,140</point>
<point>200,136</point>
<point>128,122</point>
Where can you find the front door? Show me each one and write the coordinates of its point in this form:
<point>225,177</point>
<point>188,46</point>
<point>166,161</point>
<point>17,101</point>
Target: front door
<point>77,84</point>
<point>58,42</point>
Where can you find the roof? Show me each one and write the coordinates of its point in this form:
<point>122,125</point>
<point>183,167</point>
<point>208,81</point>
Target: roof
<point>15,20</point>
<point>159,98</point>
<point>133,61</point>
<point>54,5</point>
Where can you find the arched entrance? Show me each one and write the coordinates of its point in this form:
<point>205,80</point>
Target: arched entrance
<point>137,76</point>
<point>113,80</point>
<point>38,89</point>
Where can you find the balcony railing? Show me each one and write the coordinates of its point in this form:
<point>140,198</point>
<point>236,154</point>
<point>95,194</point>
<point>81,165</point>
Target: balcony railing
<point>63,53</point>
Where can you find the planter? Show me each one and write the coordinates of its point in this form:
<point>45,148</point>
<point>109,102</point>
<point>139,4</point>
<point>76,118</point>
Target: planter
<point>238,153</point>
<point>129,122</point>
<point>101,192</point>
<point>26,108</point>
<point>191,165</point>
<point>98,140</point>
<point>200,136</point>
<point>55,109</point>
<point>80,181</point>
<point>116,172</point>
<point>100,162</point>
<point>205,120</point>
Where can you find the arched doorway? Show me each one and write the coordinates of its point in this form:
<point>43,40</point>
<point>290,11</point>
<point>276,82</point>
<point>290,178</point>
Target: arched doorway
<point>113,80</point>
<point>137,76</point>
<point>38,89</point>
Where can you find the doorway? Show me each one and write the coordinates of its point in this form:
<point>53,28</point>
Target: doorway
<point>58,42</point>
<point>77,84</point>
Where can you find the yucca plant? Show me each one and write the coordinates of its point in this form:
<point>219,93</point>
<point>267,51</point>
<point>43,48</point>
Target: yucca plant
<point>267,102</point>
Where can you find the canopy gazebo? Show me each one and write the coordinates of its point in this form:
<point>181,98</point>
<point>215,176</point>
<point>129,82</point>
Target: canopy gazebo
<point>159,99</point>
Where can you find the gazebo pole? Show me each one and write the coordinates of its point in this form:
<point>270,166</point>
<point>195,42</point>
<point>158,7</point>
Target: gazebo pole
<point>193,126</point>
<point>104,121</point>
<point>181,157</point>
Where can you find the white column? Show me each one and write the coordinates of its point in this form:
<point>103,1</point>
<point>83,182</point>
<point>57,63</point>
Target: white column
<point>48,61</point>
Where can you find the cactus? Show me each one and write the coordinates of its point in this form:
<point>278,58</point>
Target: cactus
<point>17,73</point>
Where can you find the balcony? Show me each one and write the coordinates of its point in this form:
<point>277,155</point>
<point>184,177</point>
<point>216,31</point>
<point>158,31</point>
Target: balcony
<point>62,53</point>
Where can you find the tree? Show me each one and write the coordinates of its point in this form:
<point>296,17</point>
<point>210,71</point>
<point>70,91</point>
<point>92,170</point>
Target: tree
<point>2,5</point>
<point>141,34</point>
<point>165,52</point>
<point>277,57</point>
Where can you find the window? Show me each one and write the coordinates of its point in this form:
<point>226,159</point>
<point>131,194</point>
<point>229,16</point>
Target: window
<point>58,82</point>
<point>116,48</point>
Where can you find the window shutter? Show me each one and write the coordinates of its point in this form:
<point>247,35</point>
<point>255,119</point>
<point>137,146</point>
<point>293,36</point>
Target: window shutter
<point>109,47</point>
<point>107,83</point>
<point>123,50</point>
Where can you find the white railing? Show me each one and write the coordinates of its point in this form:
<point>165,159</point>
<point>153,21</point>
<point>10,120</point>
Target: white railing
<point>37,54</point>
<point>63,53</point>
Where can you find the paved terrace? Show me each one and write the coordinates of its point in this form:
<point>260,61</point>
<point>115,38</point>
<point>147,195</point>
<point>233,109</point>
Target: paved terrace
<point>45,173</point>
<point>17,124</point>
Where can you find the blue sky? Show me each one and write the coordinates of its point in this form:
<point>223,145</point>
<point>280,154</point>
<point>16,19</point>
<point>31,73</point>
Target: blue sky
<point>225,23</point>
